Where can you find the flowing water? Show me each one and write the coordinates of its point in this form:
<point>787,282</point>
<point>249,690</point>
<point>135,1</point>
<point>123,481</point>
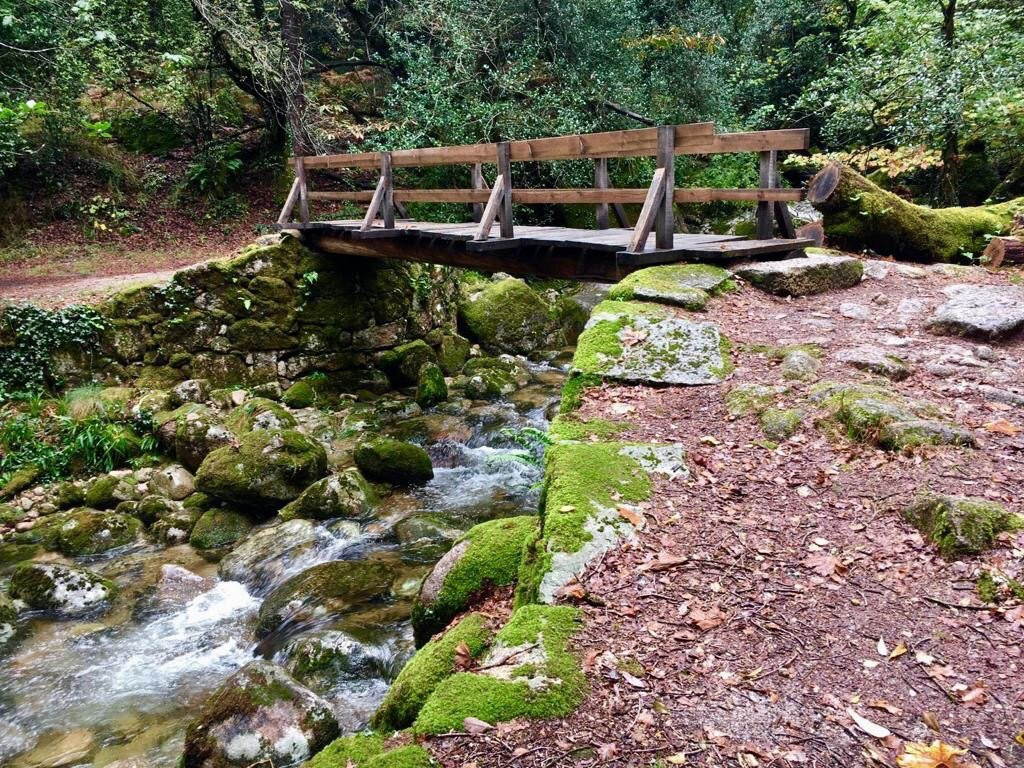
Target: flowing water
<point>124,685</point>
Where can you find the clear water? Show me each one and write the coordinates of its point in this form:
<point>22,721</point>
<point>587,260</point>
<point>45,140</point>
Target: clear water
<point>130,681</point>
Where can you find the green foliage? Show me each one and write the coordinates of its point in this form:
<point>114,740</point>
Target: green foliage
<point>214,171</point>
<point>33,336</point>
<point>531,442</point>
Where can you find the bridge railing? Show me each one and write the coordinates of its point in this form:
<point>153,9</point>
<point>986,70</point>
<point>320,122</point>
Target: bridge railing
<point>494,204</point>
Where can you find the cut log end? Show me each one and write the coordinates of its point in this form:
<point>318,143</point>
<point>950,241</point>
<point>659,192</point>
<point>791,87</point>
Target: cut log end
<point>823,184</point>
<point>1004,250</point>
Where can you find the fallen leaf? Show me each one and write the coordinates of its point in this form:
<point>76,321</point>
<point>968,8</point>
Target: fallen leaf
<point>708,619</point>
<point>882,704</point>
<point>519,751</point>
<point>634,517</point>
<point>870,728</point>
<point>662,561</point>
<point>929,719</point>
<point>607,751</point>
<point>898,651</point>
<point>824,564</point>
<point>679,758</point>
<point>1003,427</point>
<point>476,726</point>
<point>631,336</point>
<point>589,658</point>
<point>934,755</point>
<point>574,590</point>
<point>463,656</point>
<point>924,658</point>
<point>974,696</point>
<point>881,647</point>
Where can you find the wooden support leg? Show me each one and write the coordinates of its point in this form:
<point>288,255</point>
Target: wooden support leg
<point>505,171</point>
<point>620,214</point>
<point>765,218</point>
<point>289,204</point>
<point>300,174</point>
<point>785,221</point>
<point>476,176</point>
<point>494,203</point>
<point>665,225</point>
<point>601,182</point>
<point>388,203</point>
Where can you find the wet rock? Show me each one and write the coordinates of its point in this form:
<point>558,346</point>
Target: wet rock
<point>107,491</point>
<point>395,409</point>
<point>507,316</point>
<point>428,536</point>
<point>815,273</point>
<point>265,554</point>
<point>191,391</point>
<point>799,365</point>
<point>874,360</point>
<point>320,659</point>
<point>66,591</point>
<point>259,413</point>
<point>173,482</point>
<point>488,378</point>
<point>175,527</point>
<point>217,530</point>
<point>325,589</point>
<point>259,716</point>
<point>265,471</point>
<point>430,386</point>
<point>177,586</point>
<point>647,343</point>
<point>191,432</point>
<point>392,461</point>
<point>59,750</point>
<point>959,525</point>
<point>979,311</point>
<point>346,494</point>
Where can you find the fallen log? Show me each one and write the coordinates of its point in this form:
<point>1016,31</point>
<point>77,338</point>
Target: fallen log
<point>859,215</point>
<point>1000,250</point>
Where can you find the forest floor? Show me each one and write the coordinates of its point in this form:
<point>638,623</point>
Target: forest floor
<point>775,595</point>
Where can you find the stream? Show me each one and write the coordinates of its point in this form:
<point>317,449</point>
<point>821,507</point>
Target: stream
<point>123,686</point>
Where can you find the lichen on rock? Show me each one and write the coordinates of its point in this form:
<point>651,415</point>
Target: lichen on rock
<point>685,285</point>
<point>817,272</point>
<point>64,590</point>
<point>959,525</point>
<point>344,494</point>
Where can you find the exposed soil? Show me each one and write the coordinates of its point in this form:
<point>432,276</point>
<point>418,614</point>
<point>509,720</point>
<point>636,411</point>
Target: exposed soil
<point>775,591</point>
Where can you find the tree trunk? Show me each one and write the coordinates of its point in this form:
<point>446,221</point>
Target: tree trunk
<point>1004,250</point>
<point>295,92</point>
<point>859,215</point>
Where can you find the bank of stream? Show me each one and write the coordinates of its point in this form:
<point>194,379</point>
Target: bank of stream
<point>123,686</point>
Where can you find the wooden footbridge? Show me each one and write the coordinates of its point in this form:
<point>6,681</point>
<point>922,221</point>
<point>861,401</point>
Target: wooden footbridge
<point>493,242</point>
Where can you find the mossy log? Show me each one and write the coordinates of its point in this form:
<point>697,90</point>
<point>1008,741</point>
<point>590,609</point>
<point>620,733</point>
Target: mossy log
<point>1004,250</point>
<point>859,215</point>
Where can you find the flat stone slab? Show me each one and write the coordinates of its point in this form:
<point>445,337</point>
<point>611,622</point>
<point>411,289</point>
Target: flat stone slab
<point>683,285</point>
<point>979,311</point>
<point>648,344</point>
<point>811,274</point>
<point>874,360</point>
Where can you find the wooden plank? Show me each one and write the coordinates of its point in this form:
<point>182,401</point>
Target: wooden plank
<point>601,183</point>
<point>388,203</point>
<point>664,222</point>
<point>375,203</point>
<point>612,195</point>
<point>352,160</point>
<point>505,171</point>
<point>289,203</point>
<point>765,219</point>
<point>752,141</point>
<point>491,210</point>
<point>650,210</point>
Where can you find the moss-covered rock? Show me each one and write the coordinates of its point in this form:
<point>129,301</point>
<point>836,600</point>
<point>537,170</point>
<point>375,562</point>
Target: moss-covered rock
<point>405,361</point>
<point>259,413</point>
<point>432,663</point>
<point>19,480</point>
<point>431,387</point>
<point>370,750</point>
<point>959,525</point>
<point>568,428</point>
<point>319,660</point>
<point>151,508</point>
<point>217,530</point>
<point>488,382</point>
<point>452,352</point>
<point>744,399</point>
<point>528,672</point>
<point>392,461</point>
<point>266,470</point>
<point>684,285</point>
<point>346,494</point>
<point>84,531</point>
<point>507,316</point>
<point>326,588</point>
<point>780,424</point>
<point>267,555</point>
<point>63,590</point>
<point>173,482</point>
<point>818,272</point>
<point>258,716</point>
<point>301,394</point>
<point>191,432</point>
<point>68,494</point>
<point>489,555</point>
<point>8,613</point>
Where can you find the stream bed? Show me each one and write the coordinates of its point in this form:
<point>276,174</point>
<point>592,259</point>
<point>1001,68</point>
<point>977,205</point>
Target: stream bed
<point>119,689</point>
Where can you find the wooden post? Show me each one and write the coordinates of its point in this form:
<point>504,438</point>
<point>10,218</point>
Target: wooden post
<point>601,182</point>
<point>665,224</point>
<point>785,221</point>
<point>476,177</point>
<point>505,171</point>
<point>300,174</point>
<point>388,203</point>
<point>765,219</point>
<point>289,204</point>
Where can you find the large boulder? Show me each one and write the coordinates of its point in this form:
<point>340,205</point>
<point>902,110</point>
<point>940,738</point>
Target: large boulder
<point>259,716</point>
<point>979,311</point>
<point>84,531</point>
<point>191,432</point>
<point>403,362</point>
<point>217,530</point>
<point>815,273</point>
<point>173,482</point>
<point>63,590</point>
<point>323,589</point>
<point>266,470</point>
<point>508,316</point>
<point>392,461</point>
<point>346,494</point>
<point>262,558</point>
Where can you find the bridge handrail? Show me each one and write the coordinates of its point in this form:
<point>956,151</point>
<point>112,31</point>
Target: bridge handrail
<point>662,142</point>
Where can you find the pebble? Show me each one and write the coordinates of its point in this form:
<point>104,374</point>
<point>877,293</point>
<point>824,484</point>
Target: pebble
<point>985,352</point>
<point>880,298</point>
<point>854,311</point>
<point>238,397</point>
<point>875,269</point>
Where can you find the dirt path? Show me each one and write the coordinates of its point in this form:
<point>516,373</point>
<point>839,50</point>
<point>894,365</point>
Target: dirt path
<point>776,594</point>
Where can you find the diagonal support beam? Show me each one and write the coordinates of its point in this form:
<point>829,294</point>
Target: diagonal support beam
<point>649,213</point>
<point>289,203</point>
<point>494,204</point>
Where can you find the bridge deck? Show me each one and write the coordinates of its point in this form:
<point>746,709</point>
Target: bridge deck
<point>585,254</point>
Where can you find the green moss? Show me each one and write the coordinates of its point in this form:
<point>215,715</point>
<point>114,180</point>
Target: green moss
<point>409,756</point>
<point>299,395</point>
<point>780,424</point>
<point>20,479</point>
<point>219,529</point>
<point>489,554</point>
<point>432,663</point>
<point>507,316</point>
<point>994,587</point>
<point>88,532</point>
<point>559,682</point>
<point>959,525</point>
<point>566,427</point>
<point>599,342</point>
<point>393,461</point>
<point>685,285</point>
<point>259,413</point>
<point>452,352</point>
<point>353,750</point>
<point>779,353</point>
<point>431,387</point>
<point>744,399</point>
<point>575,387</point>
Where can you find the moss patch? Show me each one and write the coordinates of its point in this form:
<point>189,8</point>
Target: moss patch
<point>432,663</point>
<point>746,399</point>
<point>568,428</point>
<point>550,685</point>
<point>356,749</point>
<point>959,525</point>
<point>685,285</point>
<point>489,554</point>
<point>393,461</point>
<point>779,424</point>
<point>219,529</point>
